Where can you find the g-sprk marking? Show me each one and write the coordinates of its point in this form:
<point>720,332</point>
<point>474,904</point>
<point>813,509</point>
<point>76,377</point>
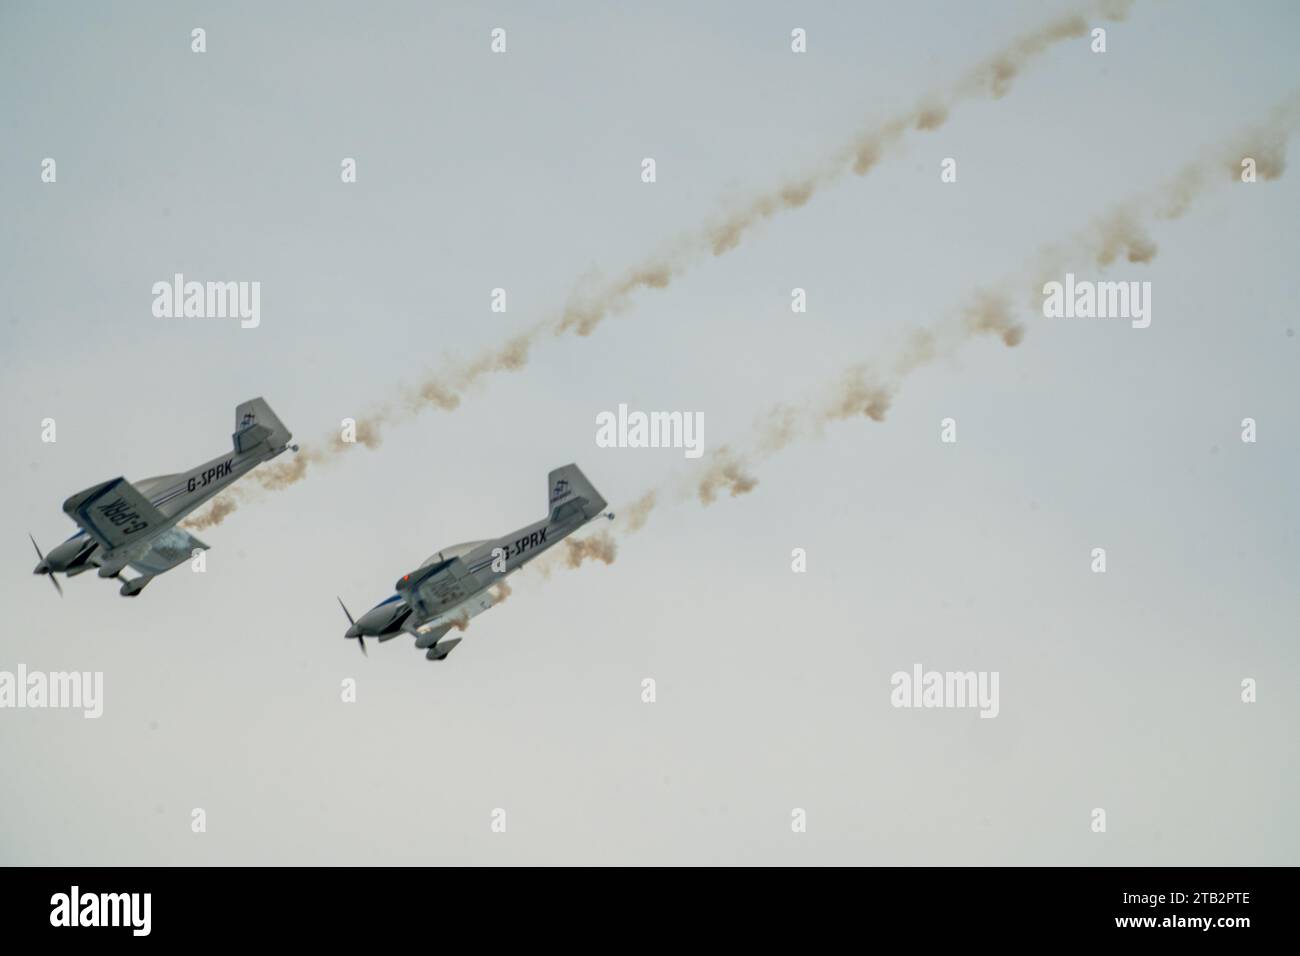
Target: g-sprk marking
<point>120,513</point>
<point>211,475</point>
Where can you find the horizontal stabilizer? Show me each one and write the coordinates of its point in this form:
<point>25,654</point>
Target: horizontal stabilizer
<point>249,438</point>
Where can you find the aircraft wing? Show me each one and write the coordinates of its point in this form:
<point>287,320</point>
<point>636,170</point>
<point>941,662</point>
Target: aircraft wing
<point>174,546</point>
<point>115,514</point>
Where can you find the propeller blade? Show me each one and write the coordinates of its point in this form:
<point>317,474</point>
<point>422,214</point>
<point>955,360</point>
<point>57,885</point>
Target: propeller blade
<point>53,580</point>
<point>362,641</point>
<point>339,599</point>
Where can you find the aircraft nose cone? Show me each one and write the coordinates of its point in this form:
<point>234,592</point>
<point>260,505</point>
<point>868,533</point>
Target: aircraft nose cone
<point>353,631</point>
<point>42,568</point>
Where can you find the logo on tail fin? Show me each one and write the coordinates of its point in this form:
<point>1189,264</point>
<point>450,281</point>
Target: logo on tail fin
<point>561,489</point>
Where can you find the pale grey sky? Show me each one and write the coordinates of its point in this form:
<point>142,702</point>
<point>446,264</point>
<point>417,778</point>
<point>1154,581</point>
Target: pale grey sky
<point>222,690</point>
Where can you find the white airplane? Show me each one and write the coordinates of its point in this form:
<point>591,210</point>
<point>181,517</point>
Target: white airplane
<point>125,524</point>
<point>454,585</point>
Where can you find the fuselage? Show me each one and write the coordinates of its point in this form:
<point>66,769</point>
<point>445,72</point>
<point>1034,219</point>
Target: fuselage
<point>453,585</point>
<point>175,496</point>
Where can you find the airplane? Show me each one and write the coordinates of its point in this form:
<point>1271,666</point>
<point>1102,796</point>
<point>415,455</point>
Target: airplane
<point>135,525</point>
<point>455,584</point>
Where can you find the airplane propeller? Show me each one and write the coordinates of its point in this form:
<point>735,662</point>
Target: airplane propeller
<point>361,639</point>
<point>53,580</point>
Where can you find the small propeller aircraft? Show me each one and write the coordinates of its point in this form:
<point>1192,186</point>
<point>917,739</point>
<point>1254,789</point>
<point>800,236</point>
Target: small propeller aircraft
<point>455,584</point>
<point>125,524</point>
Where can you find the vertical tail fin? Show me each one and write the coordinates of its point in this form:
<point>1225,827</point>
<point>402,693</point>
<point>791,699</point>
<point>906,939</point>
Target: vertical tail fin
<point>255,422</point>
<point>569,491</point>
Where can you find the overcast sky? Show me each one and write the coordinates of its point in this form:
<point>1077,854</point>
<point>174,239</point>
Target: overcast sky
<point>522,170</point>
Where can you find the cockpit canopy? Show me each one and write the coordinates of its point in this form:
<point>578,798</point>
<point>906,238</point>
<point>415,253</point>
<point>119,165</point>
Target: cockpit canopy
<point>435,564</point>
<point>455,551</point>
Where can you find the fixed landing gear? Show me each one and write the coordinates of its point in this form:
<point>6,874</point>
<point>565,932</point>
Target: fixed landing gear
<point>133,587</point>
<point>440,651</point>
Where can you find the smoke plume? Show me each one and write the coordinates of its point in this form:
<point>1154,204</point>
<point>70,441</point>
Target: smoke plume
<point>1119,234</point>
<point>600,546</point>
<point>591,301</point>
<point>213,513</point>
<point>868,391</point>
<point>991,78</point>
<point>499,592</point>
<point>637,513</point>
<point>574,552</point>
<point>725,471</point>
